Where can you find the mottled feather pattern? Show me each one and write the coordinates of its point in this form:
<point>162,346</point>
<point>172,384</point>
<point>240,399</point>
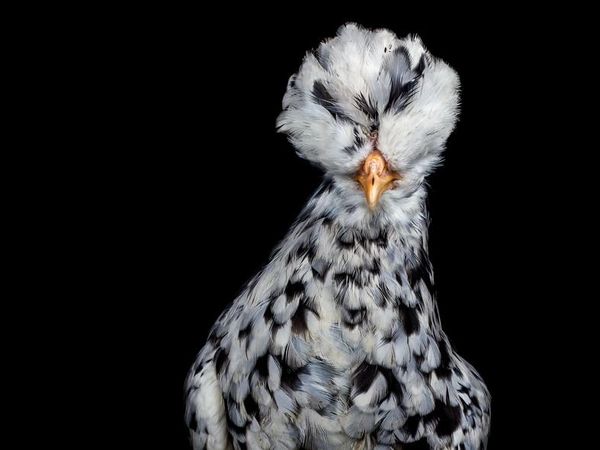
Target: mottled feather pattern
<point>379,369</point>
<point>337,343</point>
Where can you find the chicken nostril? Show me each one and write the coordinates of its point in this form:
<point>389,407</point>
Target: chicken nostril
<point>374,167</point>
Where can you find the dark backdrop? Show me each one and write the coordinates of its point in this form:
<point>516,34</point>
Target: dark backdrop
<point>210,188</point>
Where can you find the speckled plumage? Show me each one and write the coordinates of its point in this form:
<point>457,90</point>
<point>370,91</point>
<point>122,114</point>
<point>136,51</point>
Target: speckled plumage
<point>337,343</point>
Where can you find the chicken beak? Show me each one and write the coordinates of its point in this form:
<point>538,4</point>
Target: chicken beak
<point>375,177</point>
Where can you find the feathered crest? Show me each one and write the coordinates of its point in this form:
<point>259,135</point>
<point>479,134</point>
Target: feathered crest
<point>367,88</point>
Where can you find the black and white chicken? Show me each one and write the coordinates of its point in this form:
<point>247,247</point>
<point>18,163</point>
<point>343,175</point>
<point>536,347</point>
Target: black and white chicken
<point>337,343</point>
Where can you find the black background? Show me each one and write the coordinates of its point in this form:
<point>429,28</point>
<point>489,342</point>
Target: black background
<point>206,189</point>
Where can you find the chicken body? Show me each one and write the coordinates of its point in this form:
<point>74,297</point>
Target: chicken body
<point>337,344</point>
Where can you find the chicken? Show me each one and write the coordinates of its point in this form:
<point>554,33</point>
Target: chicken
<point>337,342</point>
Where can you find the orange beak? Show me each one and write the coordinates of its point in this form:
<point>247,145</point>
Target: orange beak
<point>375,177</point>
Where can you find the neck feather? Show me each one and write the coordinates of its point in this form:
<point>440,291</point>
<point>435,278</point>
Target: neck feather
<point>382,254</point>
